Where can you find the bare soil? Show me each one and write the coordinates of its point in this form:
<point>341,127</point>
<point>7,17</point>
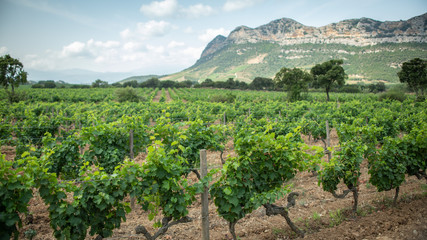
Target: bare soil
<point>158,96</point>
<point>316,212</point>
<point>168,96</point>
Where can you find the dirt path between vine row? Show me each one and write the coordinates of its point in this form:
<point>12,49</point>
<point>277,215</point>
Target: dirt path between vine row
<point>316,212</point>
<point>168,96</point>
<point>158,96</point>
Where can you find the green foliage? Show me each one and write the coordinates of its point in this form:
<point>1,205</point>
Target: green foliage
<point>11,72</point>
<point>328,74</point>
<point>65,159</point>
<point>336,218</point>
<point>108,145</point>
<point>15,194</point>
<point>257,176</point>
<point>109,142</point>
<point>269,151</point>
<point>260,83</point>
<point>162,186</point>
<point>414,72</point>
<point>388,167</point>
<point>415,147</point>
<point>223,98</point>
<point>100,84</point>
<point>15,97</point>
<point>376,62</point>
<point>128,95</point>
<point>294,81</point>
<point>392,95</point>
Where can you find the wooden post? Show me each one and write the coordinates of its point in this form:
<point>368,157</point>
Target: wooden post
<point>205,194</point>
<point>328,141</point>
<point>131,144</point>
<point>225,119</point>
<point>132,199</point>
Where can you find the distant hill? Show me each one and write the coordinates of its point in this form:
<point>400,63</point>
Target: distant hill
<point>75,76</point>
<point>139,79</point>
<point>371,49</point>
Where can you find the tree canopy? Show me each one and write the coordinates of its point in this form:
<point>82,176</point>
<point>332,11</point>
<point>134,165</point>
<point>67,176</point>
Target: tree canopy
<point>329,73</point>
<point>151,83</point>
<point>414,73</point>
<point>11,72</point>
<point>100,84</point>
<point>294,81</point>
<point>261,83</point>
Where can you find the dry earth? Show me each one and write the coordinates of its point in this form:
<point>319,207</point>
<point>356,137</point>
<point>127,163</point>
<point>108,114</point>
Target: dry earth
<point>317,212</point>
<point>158,96</point>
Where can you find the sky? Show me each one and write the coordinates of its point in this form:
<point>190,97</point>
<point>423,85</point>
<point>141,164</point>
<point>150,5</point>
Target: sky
<point>154,37</point>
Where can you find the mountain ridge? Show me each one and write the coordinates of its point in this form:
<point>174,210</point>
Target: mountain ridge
<point>261,51</point>
<point>356,32</point>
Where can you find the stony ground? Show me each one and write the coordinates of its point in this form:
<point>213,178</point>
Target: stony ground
<point>317,212</point>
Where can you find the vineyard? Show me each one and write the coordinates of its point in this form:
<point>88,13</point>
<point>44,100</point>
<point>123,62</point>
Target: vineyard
<point>78,164</point>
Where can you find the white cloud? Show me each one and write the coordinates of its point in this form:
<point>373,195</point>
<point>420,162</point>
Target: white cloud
<point>136,50</point>
<point>74,49</point>
<point>174,44</point>
<point>125,33</point>
<point>133,46</point>
<point>160,8</point>
<point>233,5</point>
<point>107,44</point>
<point>153,28</point>
<point>3,51</point>
<point>155,49</point>
<point>188,30</point>
<point>145,30</point>
<point>211,33</point>
<point>171,8</point>
<point>198,10</point>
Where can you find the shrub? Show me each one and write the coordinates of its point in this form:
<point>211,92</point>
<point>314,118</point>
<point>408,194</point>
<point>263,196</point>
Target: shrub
<point>16,96</point>
<point>349,89</point>
<point>128,95</point>
<point>392,95</point>
<point>227,98</point>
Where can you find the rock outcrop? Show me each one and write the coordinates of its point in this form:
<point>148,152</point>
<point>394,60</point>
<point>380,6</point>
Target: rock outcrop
<point>357,32</point>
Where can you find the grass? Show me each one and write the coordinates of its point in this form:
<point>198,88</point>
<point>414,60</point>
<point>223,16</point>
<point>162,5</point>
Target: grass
<point>336,218</point>
<point>316,216</point>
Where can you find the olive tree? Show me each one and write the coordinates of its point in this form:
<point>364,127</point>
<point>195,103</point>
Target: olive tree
<point>294,81</point>
<point>414,73</point>
<point>329,73</point>
<point>11,72</point>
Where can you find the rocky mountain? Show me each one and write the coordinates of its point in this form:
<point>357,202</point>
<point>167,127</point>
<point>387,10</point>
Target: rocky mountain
<point>371,49</point>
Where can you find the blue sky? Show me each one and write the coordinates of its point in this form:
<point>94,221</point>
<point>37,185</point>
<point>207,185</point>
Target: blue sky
<point>155,37</point>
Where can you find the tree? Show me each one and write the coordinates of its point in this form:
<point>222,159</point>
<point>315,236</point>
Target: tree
<point>11,72</point>
<point>49,84</point>
<point>150,83</point>
<point>131,83</point>
<point>99,83</point>
<point>167,84</point>
<point>261,83</point>
<point>207,83</point>
<point>328,74</point>
<point>128,94</point>
<point>414,73</point>
<point>184,84</point>
<point>230,83</point>
<point>294,81</point>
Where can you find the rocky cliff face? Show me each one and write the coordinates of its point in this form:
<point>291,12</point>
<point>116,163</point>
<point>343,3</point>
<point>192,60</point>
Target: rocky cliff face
<point>356,32</point>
